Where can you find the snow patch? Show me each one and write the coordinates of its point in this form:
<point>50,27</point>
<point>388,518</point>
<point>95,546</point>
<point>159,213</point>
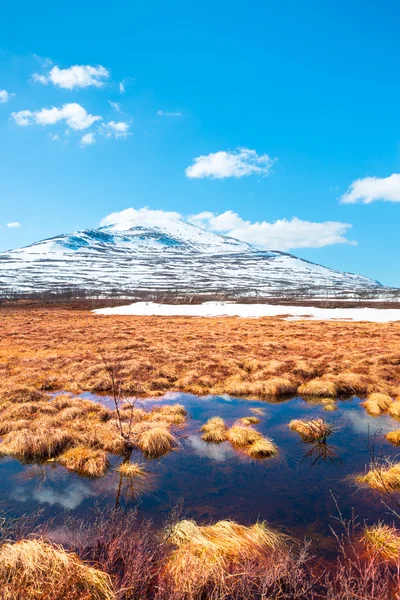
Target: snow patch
<point>228,309</point>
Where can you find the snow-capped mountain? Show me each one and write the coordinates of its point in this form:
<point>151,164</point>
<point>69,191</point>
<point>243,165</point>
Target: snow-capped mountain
<point>166,256</point>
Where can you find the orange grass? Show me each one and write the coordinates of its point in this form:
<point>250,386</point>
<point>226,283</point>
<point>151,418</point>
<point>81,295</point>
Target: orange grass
<point>262,448</point>
<point>314,430</point>
<point>383,477</point>
<point>393,437</point>
<point>42,347</point>
<point>241,436</point>
<point>214,430</point>
<point>85,461</point>
<point>156,441</point>
<point>377,403</point>
<point>33,569</point>
<point>128,469</point>
<point>205,555</point>
<point>383,540</point>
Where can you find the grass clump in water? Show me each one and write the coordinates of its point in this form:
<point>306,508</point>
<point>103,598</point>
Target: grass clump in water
<point>262,448</point>
<point>383,539</point>
<point>33,569</point>
<point>393,437</point>
<point>241,436</point>
<point>85,461</point>
<point>214,430</point>
<point>156,441</point>
<point>377,403</point>
<point>128,469</point>
<point>314,430</point>
<point>383,477</point>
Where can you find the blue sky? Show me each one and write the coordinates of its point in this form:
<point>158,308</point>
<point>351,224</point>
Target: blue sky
<point>310,90</point>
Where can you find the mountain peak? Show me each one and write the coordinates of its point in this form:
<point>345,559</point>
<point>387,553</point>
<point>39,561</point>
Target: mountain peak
<point>161,255</point>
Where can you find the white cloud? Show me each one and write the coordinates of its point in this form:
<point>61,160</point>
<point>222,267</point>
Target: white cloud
<point>4,96</point>
<point>370,189</point>
<point>115,106</point>
<point>283,234</point>
<point>88,139</point>
<point>141,216</point>
<point>77,76</point>
<point>116,130</point>
<point>164,113</point>
<point>54,137</point>
<point>13,225</point>
<point>74,115</point>
<point>239,163</point>
<point>278,235</point>
<point>121,87</point>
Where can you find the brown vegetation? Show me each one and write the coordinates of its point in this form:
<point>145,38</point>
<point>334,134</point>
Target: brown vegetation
<point>214,430</point>
<point>33,569</point>
<point>314,430</point>
<point>384,540</point>
<point>377,403</point>
<point>45,349</point>
<point>79,433</point>
<point>383,477</point>
<point>85,461</point>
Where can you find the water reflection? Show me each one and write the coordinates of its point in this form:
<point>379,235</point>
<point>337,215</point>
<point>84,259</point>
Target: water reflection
<point>214,481</point>
<point>215,452</point>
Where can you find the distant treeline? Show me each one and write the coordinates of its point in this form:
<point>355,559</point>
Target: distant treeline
<point>388,297</point>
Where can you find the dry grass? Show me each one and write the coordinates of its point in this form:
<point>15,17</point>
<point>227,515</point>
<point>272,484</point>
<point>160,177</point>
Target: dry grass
<point>128,469</point>
<point>262,448</point>
<point>85,461</point>
<point>241,436</point>
<point>384,540</point>
<point>205,555</point>
<point>33,569</point>
<point>45,348</point>
<point>377,403</point>
<point>214,430</point>
<point>394,409</point>
<point>314,430</point>
<point>393,437</point>
<point>383,477</point>
<point>319,387</point>
<point>156,441</point>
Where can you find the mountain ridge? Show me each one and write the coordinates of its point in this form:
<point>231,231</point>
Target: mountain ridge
<point>165,255</point>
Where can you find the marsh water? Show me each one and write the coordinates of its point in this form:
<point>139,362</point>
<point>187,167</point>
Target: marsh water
<point>295,491</point>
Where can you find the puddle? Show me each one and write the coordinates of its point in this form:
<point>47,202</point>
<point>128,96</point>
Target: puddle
<point>293,490</point>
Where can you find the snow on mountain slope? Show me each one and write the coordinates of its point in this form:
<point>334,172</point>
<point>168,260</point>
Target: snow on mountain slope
<point>167,256</point>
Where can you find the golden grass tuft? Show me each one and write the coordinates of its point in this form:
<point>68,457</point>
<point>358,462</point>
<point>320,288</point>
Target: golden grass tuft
<point>393,437</point>
<point>214,431</point>
<point>383,477</point>
<point>249,420</point>
<point>394,409</point>
<point>206,554</point>
<point>85,461</point>
<point>36,443</point>
<point>377,403</point>
<point>128,469</point>
<point>383,539</point>
<point>314,430</point>
<point>262,448</point>
<point>319,387</point>
<point>33,569</point>
<point>242,436</point>
<point>278,386</point>
<point>156,441</point>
